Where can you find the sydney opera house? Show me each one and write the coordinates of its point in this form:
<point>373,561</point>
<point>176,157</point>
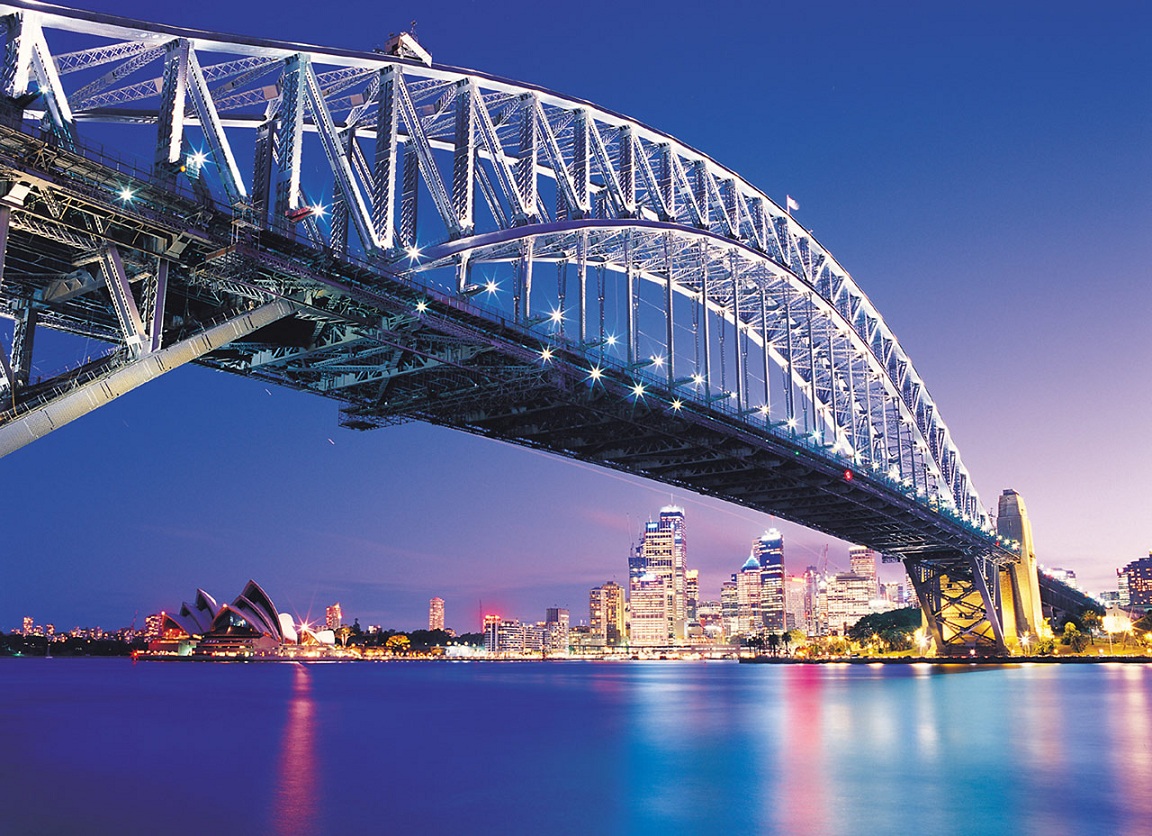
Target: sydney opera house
<point>249,627</point>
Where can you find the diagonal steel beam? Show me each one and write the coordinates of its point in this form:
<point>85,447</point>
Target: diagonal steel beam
<point>86,396</point>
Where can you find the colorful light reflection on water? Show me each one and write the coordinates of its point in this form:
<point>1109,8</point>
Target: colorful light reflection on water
<point>104,746</point>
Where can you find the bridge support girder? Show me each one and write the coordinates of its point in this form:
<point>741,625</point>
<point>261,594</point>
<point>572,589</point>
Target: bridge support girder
<point>82,395</point>
<point>960,600</point>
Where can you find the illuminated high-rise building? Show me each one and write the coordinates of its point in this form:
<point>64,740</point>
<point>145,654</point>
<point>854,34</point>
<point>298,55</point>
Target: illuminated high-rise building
<point>1135,583</point>
<point>556,631</point>
<point>606,614</point>
<point>863,562</point>
<point>691,594</point>
<point>661,554</point>
<point>795,603</point>
<point>749,615</point>
<point>730,608</point>
<point>436,614</point>
<point>769,554</point>
<point>28,625</point>
<point>849,599</point>
<point>333,617</point>
<point>649,602</point>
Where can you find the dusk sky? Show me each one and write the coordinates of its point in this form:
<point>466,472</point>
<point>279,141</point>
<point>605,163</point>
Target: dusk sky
<point>983,170</point>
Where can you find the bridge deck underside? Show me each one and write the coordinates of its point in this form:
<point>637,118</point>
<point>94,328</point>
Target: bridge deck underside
<point>553,406</point>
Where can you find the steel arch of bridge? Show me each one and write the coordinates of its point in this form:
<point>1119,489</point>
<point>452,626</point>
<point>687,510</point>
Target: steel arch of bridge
<point>438,179</point>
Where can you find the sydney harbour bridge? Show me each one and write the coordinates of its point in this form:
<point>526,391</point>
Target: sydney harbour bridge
<point>421,242</point>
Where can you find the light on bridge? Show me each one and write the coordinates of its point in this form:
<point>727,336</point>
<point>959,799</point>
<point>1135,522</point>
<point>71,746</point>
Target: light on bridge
<point>611,340</point>
<point>421,306</point>
<point>595,373</point>
<point>698,378</point>
<point>413,253</point>
<point>556,316</point>
<point>126,194</point>
<point>849,475</point>
<point>638,390</point>
<point>677,404</point>
<point>491,287</point>
<point>546,354</point>
<point>657,361</point>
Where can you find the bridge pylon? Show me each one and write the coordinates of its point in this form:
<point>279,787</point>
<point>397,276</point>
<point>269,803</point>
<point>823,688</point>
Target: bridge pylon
<point>1021,609</point>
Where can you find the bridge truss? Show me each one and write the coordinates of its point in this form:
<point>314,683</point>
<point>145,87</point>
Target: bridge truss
<point>420,242</point>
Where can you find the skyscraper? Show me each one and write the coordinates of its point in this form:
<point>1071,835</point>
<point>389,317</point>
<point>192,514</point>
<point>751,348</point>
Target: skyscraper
<point>730,607</point>
<point>863,562</point>
<point>436,614</point>
<point>606,613</point>
<point>691,594</point>
<point>556,630</point>
<point>661,555</point>
<point>769,553</point>
<point>849,599</point>
<point>649,602</point>
<point>333,617</point>
<point>749,614</point>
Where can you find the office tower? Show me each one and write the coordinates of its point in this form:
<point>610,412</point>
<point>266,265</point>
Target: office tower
<point>813,579</point>
<point>661,554</point>
<point>730,607</point>
<point>749,615</point>
<point>436,614</point>
<point>556,631</point>
<point>849,599</point>
<point>769,553</point>
<point>863,562</point>
<point>27,631</point>
<point>649,601</point>
<point>1135,583</point>
<point>333,617</point>
<point>795,603</point>
<point>606,614</point>
<point>505,635</point>
<point>691,595</point>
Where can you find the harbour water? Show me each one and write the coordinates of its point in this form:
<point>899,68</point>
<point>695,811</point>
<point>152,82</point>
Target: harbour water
<point>96,746</point>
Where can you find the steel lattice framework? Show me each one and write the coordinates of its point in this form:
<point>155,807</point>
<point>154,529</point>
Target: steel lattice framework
<point>490,256</point>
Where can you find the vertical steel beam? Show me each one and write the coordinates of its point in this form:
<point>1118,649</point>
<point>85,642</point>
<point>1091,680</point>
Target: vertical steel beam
<point>526,164</point>
<point>626,162</point>
<point>582,276</point>
<point>667,179</point>
<point>581,170</point>
<point>384,163</point>
<point>23,338</point>
<point>339,234</point>
<point>734,276</point>
<point>790,368</point>
<point>630,279</point>
<point>767,346</point>
<point>408,197</point>
<point>705,326</point>
<point>464,159</point>
<point>17,55</point>
<point>669,308</point>
<point>524,280</point>
<point>170,121</point>
<point>289,144</point>
<point>263,164</point>
<point>700,179</point>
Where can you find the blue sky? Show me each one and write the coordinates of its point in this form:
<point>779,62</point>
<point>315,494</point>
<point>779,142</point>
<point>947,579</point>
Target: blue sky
<point>984,170</point>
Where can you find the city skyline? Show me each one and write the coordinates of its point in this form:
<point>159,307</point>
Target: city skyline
<point>1020,198</point>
